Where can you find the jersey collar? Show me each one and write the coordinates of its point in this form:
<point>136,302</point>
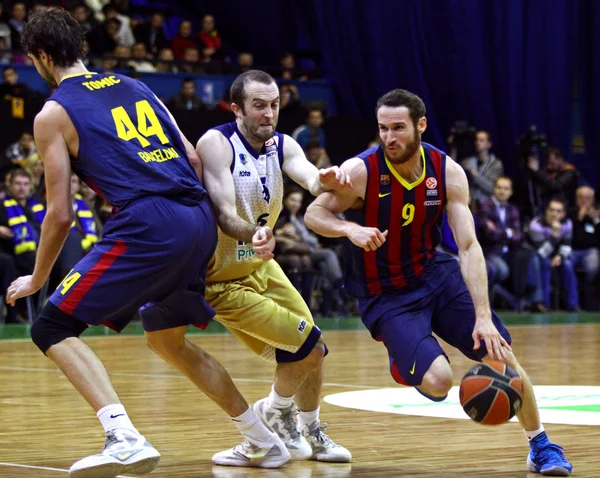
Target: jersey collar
<point>403,181</point>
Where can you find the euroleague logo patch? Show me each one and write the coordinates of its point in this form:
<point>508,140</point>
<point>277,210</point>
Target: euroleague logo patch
<point>431,183</point>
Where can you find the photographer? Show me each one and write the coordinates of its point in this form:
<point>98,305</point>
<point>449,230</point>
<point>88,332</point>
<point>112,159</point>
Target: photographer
<point>483,168</point>
<point>557,179</point>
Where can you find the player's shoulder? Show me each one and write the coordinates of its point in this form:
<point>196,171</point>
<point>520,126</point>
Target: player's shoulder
<point>368,152</point>
<point>431,148</point>
<point>51,116</point>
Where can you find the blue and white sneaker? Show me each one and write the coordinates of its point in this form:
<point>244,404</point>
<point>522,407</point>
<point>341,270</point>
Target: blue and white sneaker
<point>547,458</point>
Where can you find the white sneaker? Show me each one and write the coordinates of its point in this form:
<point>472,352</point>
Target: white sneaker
<point>124,452</point>
<point>269,454</point>
<point>281,421</point>
<point>323,447</point>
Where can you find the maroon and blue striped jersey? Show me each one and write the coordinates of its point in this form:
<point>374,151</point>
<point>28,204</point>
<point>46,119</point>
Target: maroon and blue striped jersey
<point>411,212</point>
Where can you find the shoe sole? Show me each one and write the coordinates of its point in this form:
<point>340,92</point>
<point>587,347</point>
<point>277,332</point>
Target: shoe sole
<point>146,461</point>
<point>333,459</point>
<point>554,471</point>
<point>240,463</point>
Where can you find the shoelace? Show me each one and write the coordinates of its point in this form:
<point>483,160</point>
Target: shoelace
<point>546,453</point>
<point>319,435</point>
<point>287,417</point>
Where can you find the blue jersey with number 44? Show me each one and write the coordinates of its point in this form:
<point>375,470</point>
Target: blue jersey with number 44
<point>129,147</point>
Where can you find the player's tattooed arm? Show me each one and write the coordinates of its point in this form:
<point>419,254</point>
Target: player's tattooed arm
<point>472,261</point>
<point>216,155</point>
<point>323,215</point>
<point>304,173</point>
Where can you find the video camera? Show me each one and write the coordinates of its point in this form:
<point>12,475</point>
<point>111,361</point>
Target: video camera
<point>531,143</point>
<point>461,140</point>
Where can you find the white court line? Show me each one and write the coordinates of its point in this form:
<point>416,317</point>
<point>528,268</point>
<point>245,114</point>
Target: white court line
<point>45,468</point>
<point>176,377</point>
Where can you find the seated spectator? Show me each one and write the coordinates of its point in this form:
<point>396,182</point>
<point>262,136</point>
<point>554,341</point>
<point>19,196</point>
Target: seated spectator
<point>105,37</point>
<point>288,70</point>
<point>16,24</point>
<point>84,222</point>
<point>317,155</point>
<point>122,55</point>
<point>210,41</point>
<point>82,14</point>
<point>184,39</point>
<point>186,99</point>
<point>11,86</point>
<point>5,55</point>
<point>245,61</point>
<point>289,98</point>
<point>551,236</point>
<point>139,59</point>
<point>586,240</point>
<point>36,171</point>
<point>482,169</point>
<point>558,179</point>
<point>125,34</point>
<point>165,63</point>
<point>191,61</point>
<point>22,152</point>
<point>152,34</point>
<point>311,130</point>
<point>100,208</point>
<point>323,259</point>
<point>224,103</point>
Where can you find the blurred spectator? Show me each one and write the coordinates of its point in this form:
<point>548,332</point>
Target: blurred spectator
<point>289,98</point>
<point>186,99</point>
<point>82,14</point>
<point>36,171</point>
<point>210,41</point>
<point>311,130</point>
<point>23,152</point>
<point>586,240</point>
<point>482,169</point>
<point>16,23</point>
<point>165,61</point>
<point>225,103</point>
<point>125,35</point>
<point>323,259</point>
<point>317,154</point>
<point>139,59</point>
<point>558,179</point>
<point>288,70</point>
<point>184,39</point>
<point>152,34</point>
<point>109,63</point>
<point>5,55</point>
<point>244,62</point>
<point>104,38</point>
<point>122,55</point>
<point>97,8</point>
<point>5,31</point>
<point>191,59</point>
<point>84,223</point>
<point>100,208</point>
<point>551,235</point>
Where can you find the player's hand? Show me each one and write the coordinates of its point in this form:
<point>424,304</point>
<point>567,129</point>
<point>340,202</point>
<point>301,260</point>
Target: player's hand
<point>367,238</point>
<point>21,287</point>
<point>333,178</point>
<point>495,344</point>
<point>263,243</point>
<point>556,261</point>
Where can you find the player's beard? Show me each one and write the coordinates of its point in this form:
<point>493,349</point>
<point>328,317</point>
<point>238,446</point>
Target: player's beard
<point>409,150</point>
<point>255,130</point>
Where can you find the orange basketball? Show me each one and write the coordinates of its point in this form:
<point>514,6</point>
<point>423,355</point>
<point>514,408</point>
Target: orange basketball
<point>491,393</point>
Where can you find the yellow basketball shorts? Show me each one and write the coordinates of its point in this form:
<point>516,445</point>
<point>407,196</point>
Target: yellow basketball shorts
<point>266,312</point>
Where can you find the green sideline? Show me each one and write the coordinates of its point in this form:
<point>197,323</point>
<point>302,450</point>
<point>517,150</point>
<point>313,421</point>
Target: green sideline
<point>20,331</point>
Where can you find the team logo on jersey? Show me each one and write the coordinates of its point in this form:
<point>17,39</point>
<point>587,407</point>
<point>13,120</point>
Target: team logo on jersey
<point>270,142</point>
<point>431,183</point>
<point>384,179</point>
<point>243,159</point>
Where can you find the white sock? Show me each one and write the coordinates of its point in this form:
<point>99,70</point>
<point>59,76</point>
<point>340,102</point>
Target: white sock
<point>249,425</point>
<point>531,435</point>
<point>308,418</point>
<point>114,416</point>
<point>277,401</point>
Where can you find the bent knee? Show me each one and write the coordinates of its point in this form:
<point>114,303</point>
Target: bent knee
<point>438,382</point>
<point>164,344</point>
<point>315,358</point>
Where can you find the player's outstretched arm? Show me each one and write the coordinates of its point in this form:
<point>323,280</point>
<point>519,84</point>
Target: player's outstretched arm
<point>322,216</point>
<point>472,261</point>
<point>48,130</point>
<point>304,173</point>
<point>216,155</point>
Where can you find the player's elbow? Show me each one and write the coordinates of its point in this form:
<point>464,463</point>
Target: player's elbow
<point>61,218</point>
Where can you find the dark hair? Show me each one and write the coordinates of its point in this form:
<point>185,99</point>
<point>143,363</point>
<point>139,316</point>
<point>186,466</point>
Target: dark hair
<point>55,32</point>
<point>558,199</point>
<point>237,90</point>
<point>109,7</point>
<point>7,68</point>
<point>292,190</point>
<point>552,150</point>
<point>187,79</point>
<point>487,133</point>
<point>396,98</point>
<point>312,143</point>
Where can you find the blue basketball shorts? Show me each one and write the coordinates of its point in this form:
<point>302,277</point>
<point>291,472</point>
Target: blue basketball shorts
<point>405,323</point>
<point>152,258</point>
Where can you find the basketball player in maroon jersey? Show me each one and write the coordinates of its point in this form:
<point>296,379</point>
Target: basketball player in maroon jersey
<point>406,288</point>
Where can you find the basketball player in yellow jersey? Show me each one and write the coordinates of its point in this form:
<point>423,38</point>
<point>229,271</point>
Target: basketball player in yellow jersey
<point>243,164</point>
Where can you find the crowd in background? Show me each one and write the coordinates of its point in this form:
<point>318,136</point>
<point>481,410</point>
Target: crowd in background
<point>541,246</point>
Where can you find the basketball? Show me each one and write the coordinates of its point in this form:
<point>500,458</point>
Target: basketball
<point>491,393</point>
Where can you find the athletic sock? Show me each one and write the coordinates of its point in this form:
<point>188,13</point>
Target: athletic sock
<point>249,425</point>
<point>277,401</point>
<point>308,418</point>
<point>114,416</point>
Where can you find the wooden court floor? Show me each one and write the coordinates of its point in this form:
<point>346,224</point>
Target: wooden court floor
<point>45,425</point>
